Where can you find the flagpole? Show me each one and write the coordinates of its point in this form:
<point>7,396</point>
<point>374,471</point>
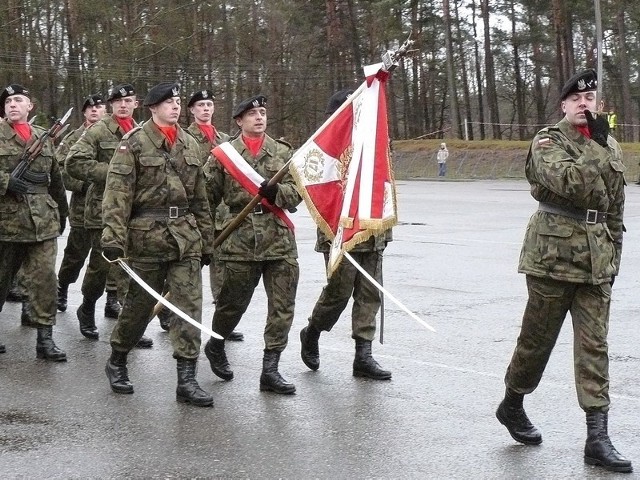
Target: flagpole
<point>387,293</point>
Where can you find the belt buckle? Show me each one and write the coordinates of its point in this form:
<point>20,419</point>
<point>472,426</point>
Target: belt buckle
<point>258,210</point>
<point>173,212</point>
<point>592,217</point>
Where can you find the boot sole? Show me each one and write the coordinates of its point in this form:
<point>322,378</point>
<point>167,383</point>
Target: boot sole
<point>91,336</point>
<point>122,391</point>
<point>359,374</point>
<point>267,388</point>
<point>181,399</point>
<point>516,438</point>
<point>597,463</point>
<point>43,356</point>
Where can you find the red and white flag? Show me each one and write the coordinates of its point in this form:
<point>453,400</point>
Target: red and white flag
<point>344,173</point>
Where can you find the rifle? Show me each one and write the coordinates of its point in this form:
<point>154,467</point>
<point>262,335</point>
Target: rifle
<point>31,153</point>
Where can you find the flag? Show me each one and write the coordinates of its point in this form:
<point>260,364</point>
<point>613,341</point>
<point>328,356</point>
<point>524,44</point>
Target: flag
<point>344,172</point>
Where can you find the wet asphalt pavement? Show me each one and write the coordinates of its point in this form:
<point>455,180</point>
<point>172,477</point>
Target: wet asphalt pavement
<point>453,262</point>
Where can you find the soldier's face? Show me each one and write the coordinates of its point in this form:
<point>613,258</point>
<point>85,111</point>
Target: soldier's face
<point>17,108</point>
<point>253,123</point>
<point>167,112</point>
<point>202,111</point>
<point>575,104</point>
<point>93,113</point>
<point>124,107</point>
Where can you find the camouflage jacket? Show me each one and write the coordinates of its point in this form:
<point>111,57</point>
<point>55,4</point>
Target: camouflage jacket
<point>88,160</point>
<point>145,174</point>
<point>33,217</point>
<point>566,168</point>
<point>222,211</point>
<point>260,236</point>
<point>76,206</point>
<point>375,243</point>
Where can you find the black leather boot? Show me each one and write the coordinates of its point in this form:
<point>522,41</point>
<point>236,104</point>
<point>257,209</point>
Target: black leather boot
<point>2,348</point>
<point>511,414</point>
<point>164,315</point>
<point>309,349</point>
<point>111,305</point>
<point>25,316</point>
<point>236,336</point>
<point>45,348</point>
<point>214,350</point>
<point>117,373</point>
<point>188,390</point>
<point>364,365</point>
<point>271,380</point>
<point>144,342</point>
<point>87,317</point>
<point>14,294</point>
<point>598,449</point>
<point>63,294</point>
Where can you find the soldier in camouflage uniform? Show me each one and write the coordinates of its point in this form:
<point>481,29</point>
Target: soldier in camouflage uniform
<point>571,255</point>
<point>78,241</point>
<point>345,282</point>
<point>202,107</point>
<point>33,212</point>
<point>156,210</point>
<point>88,161</point>
<point>262,246</point>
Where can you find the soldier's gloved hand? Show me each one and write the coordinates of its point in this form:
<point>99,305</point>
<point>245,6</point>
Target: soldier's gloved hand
<point>17,185</point>
<point>112,253</point>
<point>63,224</point>
<point>205,259</point>
<point>268,191</point>
<point>598,128</point>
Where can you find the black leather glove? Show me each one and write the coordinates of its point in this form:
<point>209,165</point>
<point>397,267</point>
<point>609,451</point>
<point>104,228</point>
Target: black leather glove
<point>112,253</point>
<point>17,185</point>
<point>613,280</point>
<point>205,259</point>
<point>268,191</point>
<point>598,128</point>
<point>63,224</point>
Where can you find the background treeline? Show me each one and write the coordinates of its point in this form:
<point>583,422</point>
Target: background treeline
<point>485,69</point>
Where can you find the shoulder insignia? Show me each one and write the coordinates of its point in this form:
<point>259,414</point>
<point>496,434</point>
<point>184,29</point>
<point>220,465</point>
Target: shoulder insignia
<point>544,141</point>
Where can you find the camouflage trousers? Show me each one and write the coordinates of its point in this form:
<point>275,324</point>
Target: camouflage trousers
<point>548,305</point>
<point>75,254</point>
<point>347,281</point>
<point>37,263</point>
<point>280,279</point>
<point>183,279</point>
<point>98,270</point>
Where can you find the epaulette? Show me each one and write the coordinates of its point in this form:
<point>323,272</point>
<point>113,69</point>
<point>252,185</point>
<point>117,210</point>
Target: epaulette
<point>284,142</point>
<point>131,132</point>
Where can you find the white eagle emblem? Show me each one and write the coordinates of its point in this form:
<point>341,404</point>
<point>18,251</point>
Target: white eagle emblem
<point>582,84</point>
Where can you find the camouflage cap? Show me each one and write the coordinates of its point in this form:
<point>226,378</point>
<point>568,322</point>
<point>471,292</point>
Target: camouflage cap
<point>92,100</point>
<point>121,91</point>
<point>201,95</point>
<point>337,99</point>
<point>248,104</point>
<point>584,81</point>
<point>161,92</point>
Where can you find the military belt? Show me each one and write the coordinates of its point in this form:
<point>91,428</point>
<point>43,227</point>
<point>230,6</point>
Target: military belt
<point>37,189</point>
<point>591,217</point>
<point>162,212</point>
<point>257,210</point>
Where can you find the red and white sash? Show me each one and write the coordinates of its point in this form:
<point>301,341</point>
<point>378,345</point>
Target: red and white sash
<point>246,176</point>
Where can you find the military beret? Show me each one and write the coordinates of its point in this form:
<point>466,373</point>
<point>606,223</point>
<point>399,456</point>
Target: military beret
<point>337,99</point>
<point>120,91</point>
<point>92,100</point>
<point>248,104</point>
<point>583,81</point>
<point>160,93</point>
<point>201,95</point>
<point>13,89</point>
